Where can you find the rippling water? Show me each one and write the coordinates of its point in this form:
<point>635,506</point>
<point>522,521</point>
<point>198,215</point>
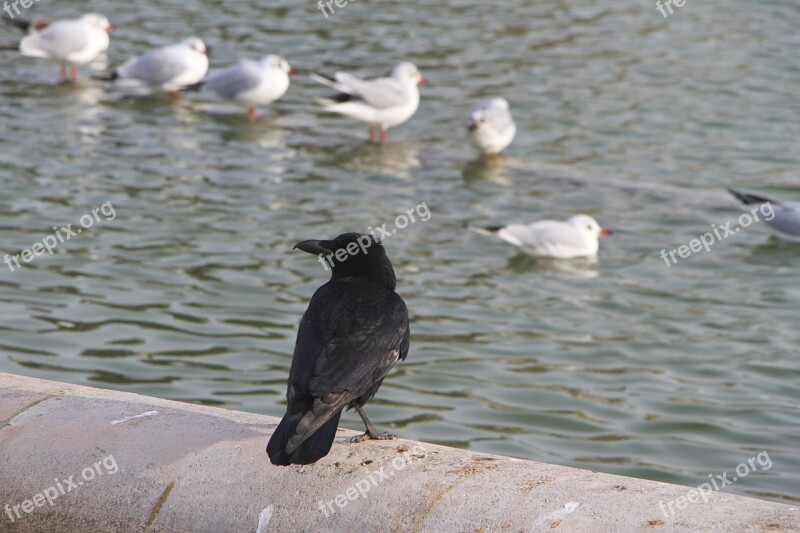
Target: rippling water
<point>193,293</point>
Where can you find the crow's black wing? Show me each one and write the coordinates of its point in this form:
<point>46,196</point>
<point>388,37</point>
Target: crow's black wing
<point>331,368</point>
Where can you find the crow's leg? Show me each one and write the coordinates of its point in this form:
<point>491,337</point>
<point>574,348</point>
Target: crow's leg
<point>371,433</point>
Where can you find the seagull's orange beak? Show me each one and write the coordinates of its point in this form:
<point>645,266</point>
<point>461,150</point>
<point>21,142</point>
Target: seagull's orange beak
<point>293,70</point>
<point>422,80</point>
<point>604,231</point>
<point>110,28</point>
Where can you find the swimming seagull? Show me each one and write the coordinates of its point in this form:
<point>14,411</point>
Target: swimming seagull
<point>575,237</point>
<point>71,42</point>
<point>382,103</point>
<point>786,219</point>
<point>169,68</point>
<point>491,127</point>
<point>252,82</point>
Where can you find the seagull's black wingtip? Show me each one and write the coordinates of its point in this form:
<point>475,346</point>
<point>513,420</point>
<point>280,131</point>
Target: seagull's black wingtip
<point>106,77</point>
<point>750,199</point>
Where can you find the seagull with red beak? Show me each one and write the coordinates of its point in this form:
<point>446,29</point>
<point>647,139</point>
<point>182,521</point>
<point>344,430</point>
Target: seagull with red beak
<point>254,83</point>
<point>382,103</point>
<point>168,69</point>
<point>70,42</point>
<point>575,237</point>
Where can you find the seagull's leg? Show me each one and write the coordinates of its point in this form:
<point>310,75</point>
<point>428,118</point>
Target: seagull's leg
<point>63,71</point>
<point>74,69</point>
<point>173,95</point>
<point>251,112</point>
<point>371,134</point>
<point>371,433</point>
<point>383,135</point>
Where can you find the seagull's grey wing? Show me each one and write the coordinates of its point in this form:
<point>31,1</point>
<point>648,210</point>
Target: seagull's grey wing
<point>381,93</point>
<point>63,38</point>
<point>155,67</point>
<point>787,219</point>
<point>234,80</point>
<point>547,233</point>
<point>787,216</point>
<point>500,119</point>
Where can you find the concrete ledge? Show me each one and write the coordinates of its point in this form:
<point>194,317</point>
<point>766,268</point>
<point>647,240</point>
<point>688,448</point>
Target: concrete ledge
<point>144,464</point>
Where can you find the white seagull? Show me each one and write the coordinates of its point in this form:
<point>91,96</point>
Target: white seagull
<point>382,103</point>
<point>491,127</point>
<point>169,68</point>
<point>71,42</point>
<point>575,237</point>
<point>251,82</point>
<point>786,216</point>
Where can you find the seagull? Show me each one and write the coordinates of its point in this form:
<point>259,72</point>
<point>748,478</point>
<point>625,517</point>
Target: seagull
<point>575,237</point>
<point>252,82</point>
<point>382,103</point>
<point>71,42</point>
<point>169,68</point>
<point>785,216</point>
<point>491,127</point>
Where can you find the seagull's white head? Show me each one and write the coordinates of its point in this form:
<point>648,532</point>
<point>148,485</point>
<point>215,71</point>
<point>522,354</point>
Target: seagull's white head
<point>477,118</point>
<point>276,62</point>
<point>98,21</point>
<point>498,103</point>
<point>196,45</point>
<point>408,72</point>
<point>588,225</point>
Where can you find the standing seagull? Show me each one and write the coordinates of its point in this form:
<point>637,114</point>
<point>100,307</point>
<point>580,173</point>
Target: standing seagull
<point>70,42</point>
<point>354,331</point>
<point>252,82</point>
<point>491,127</point>
<point>169,68</point>
<point>575,237</point>
<point>785,216</point>
<point>382,103</point>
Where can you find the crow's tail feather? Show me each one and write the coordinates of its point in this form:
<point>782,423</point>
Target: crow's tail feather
<point>310,451</point>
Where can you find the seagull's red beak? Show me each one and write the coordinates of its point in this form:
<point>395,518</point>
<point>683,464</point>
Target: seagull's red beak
<point>422,80</point>
<point>604,231</point>
<point>293,70</point>
<point>110,28</point>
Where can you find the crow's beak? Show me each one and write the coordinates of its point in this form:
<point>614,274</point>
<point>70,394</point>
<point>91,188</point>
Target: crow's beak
<point>315,247</point>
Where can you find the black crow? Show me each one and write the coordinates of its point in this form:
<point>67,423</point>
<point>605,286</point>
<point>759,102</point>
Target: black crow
<point>354,331</point>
